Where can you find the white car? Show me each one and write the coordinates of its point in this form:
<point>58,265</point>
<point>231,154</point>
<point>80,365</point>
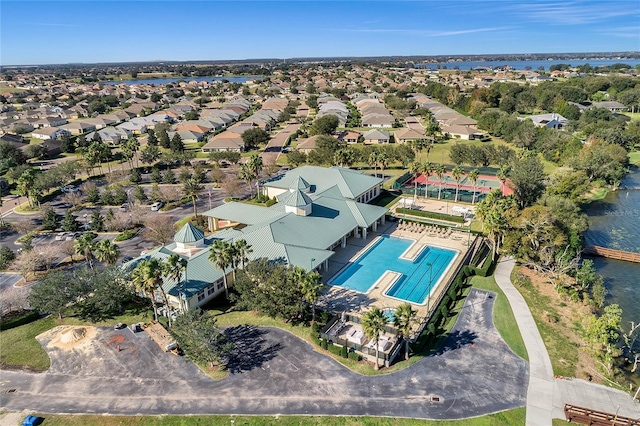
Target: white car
<point>61,236</point>
<point>69,188</point>
<point>156,206</point>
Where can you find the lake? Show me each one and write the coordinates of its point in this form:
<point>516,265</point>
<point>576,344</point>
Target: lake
<point>534,65</point>
<point>613,222</point>
<point>159,81</point>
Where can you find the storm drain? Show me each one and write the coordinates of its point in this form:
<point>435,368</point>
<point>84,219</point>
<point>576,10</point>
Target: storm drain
<point>435,399</point>
<point>11,391</point>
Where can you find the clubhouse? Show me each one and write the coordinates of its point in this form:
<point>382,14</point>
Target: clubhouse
<point>316,210</point>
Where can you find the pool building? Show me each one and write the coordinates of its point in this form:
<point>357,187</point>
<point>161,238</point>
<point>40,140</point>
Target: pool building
<point>317,210</point>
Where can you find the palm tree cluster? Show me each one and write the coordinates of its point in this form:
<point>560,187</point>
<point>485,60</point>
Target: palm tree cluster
<point>149,275</point>
<point>224,254</point>
<point>105,251</point>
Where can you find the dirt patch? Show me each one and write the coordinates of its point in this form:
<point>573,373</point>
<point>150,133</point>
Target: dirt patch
<point>115,340</point>
<point>69,337</point>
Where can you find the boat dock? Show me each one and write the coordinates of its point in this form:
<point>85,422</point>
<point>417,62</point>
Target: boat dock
<point>612,253</point>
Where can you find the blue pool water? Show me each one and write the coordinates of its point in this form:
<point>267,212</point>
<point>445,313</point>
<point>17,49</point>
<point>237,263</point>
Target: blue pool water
<point>418,277</point>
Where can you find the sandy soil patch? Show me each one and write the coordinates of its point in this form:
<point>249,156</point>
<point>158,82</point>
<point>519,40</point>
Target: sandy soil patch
<point>68,337</point>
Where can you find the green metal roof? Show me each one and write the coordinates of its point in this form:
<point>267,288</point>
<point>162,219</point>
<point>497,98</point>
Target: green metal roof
<point>351,183</point>
<point>296,198</point>
<point>248,214</point>
<point>300,183</point>
<point>188,234</point>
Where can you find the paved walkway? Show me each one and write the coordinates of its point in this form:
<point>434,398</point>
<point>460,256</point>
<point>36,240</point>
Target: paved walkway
<point>545,395</point>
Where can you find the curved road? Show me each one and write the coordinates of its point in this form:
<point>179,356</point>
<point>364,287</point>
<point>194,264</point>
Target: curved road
<point>273,372</point>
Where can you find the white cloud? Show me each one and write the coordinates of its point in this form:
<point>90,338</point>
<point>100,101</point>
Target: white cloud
<point>428,33</point>
<point>574,13</point>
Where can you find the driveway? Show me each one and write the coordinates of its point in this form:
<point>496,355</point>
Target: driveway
<point>274,372</point>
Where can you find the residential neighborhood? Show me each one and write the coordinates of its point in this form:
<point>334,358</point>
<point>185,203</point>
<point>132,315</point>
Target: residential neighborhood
<point>364,238</point>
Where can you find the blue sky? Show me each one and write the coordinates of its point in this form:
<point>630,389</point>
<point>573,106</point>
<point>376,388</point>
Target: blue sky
<point>53,32</point>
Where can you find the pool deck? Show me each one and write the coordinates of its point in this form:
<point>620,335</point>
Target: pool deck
<point>342,299</point>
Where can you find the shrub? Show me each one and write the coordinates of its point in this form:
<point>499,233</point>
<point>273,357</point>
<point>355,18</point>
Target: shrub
<point>483,270</point>
<point>344,352</point>
<point>354,356</point>
<point>323,343</point>
<point>126,235</point>
<point>6,257</point>
<point>431,215</point>
<point>336,350</point>
<point>16,319</point>
<point>444,310</point>
<point>431,328</point>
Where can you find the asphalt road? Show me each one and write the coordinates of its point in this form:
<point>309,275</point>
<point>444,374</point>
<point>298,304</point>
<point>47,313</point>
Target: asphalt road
<point>273,372</point>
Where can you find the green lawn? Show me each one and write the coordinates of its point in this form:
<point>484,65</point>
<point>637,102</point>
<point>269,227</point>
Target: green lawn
<point>634,158</point>
<point>562,351</point>
<point>506,418</point>
<point>503,316</point>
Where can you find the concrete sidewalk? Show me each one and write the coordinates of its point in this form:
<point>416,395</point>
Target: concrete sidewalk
<point>546,396</point>
<point>541,382</point>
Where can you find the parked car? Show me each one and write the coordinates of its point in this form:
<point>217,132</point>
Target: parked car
<point>72,236</point>
<point>156,206</point>
<point>124,207</point>
<point>69,188</point>
<point>61,236</point>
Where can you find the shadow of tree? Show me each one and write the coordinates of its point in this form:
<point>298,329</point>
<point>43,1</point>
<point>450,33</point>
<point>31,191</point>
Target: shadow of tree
<point>250,350</point>
<point>456,340</point>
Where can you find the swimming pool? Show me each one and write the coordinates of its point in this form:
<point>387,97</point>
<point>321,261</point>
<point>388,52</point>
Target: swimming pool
<point>414,279</point>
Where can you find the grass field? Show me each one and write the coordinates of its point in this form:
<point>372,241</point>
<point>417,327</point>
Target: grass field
<point>634,158</point>
<point>557,331</point>
<point>505,418</point>
<point>503,317</point>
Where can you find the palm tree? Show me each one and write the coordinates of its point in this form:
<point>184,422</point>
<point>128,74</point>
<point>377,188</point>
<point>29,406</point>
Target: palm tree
<point>373,323</point>
<point>473,177</point>
<point>174,268</point>
<point>373,162</point>
<point>427,169</point>
<point>415,169</point>
<point>247,175</point>
<point>440,170</point>
<point>255,164</point>
<point>457,174</point>
<point>312,286</point>
<point>219,255</point>
<point>85,246</point>
<point>493,213</point>
<point>404,318</point>
<point>383,162</point>
<point>344,157</point>
<point>242,250</point>
<point>147,277</point>
<point>502,175</point>
<point>107,252</point>
<point>191,188</point>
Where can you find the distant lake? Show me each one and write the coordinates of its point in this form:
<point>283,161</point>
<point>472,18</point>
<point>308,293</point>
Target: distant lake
<point>159,81</point>
<point>534,65</point>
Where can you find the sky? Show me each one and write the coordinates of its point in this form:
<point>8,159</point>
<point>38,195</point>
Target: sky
<point>58,32</point>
